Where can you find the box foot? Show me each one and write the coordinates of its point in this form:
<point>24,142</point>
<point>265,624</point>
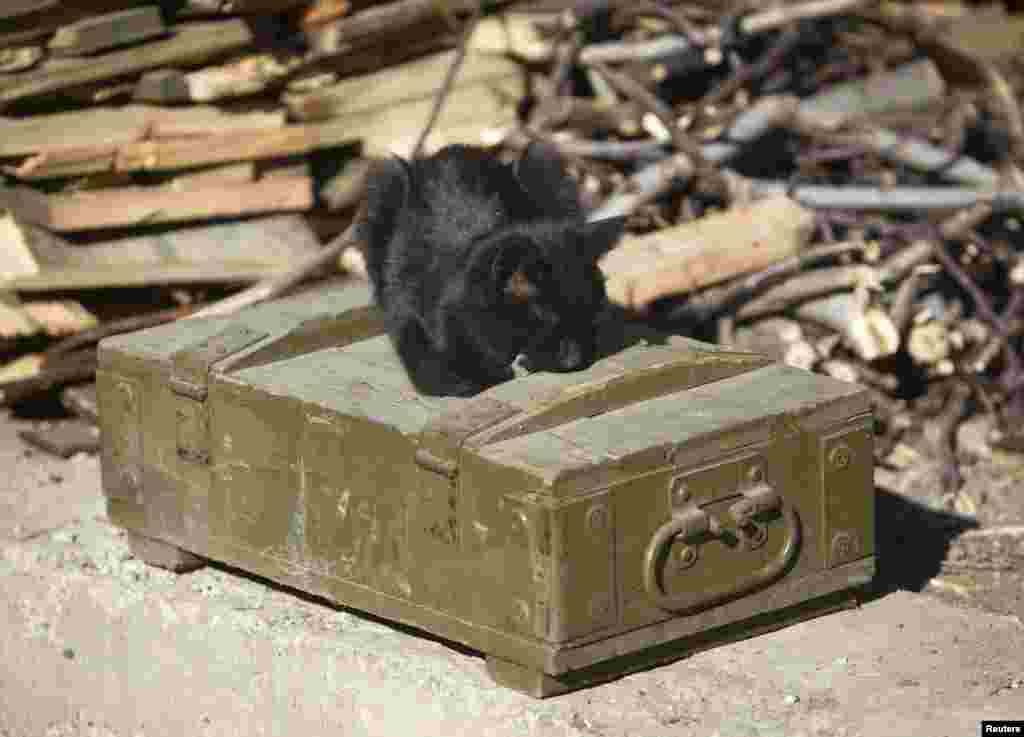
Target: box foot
<point>163,555</point>
<point>538,684</point>
<point>530,681</point>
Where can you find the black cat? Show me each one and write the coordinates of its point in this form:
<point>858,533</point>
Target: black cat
<point>474,261</point>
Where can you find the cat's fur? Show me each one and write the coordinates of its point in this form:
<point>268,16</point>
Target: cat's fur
<point>474,261</point>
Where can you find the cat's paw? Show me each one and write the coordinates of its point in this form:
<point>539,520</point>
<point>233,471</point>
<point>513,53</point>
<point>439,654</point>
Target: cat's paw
<point>464,389</point>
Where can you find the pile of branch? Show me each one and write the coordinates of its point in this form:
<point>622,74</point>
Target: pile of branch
<point>834,182</point>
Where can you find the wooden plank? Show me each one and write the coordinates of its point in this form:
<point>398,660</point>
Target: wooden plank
<point>64,438</point>
<point>385,122</point>
<point>130,206</point>
<point>102,32</point>
<point>24,22</point>
<point>205,7</point>
<point>16,255</point>
<point>359,29</point>
<point>403,83</point>
<point>318,12</point>
<point>19,59</point>
<point>192,44</point>
<point>245,76</point>
<point>511,33</point>
<point>14,8</point>
<point>108,126</point>
<point>244,171</point>
<point>183,153</point>
<point>471,114</point>
<point>61,317</point>
<point>705,251</point>
<point>989,33</point>
<point>230,252</point>
<point>29,376</point>
<point>81,401</point>
<point>51,317</point>
<point>14,323</point>
<point>468,111</point>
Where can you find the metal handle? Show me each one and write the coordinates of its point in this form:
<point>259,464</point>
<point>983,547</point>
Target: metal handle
<point>687,523</point>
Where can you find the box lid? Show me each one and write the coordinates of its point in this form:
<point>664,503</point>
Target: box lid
<point>730,412</point>
<point>364,378</point>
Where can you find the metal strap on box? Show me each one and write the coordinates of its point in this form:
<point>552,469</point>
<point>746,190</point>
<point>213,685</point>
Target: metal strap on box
<point>190,374</point>
<point>190,366</point>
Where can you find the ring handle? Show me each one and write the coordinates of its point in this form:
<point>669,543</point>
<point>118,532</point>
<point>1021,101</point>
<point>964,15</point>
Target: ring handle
<point>691,522</point>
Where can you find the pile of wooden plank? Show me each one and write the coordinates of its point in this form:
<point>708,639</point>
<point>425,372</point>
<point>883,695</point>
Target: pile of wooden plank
<point>189,147</point>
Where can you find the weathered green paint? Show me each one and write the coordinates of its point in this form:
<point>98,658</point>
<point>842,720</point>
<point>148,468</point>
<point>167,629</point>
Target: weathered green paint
<point>288,441</point>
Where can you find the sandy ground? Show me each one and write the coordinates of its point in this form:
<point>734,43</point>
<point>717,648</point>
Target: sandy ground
<point>93,642</point>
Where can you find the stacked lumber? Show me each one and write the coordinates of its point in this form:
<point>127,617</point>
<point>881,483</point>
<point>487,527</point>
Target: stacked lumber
<point>155,158</point>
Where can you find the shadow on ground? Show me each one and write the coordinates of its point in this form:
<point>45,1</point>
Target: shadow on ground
<point>911,542</point>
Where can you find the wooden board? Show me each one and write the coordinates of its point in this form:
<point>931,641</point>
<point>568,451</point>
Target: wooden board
<point>129,206</point>
<point>222,253</point>
<point>26,21</point>
<point>111,126</point>
<point>359,29</point>
<point>405,83</point>
<point>469,109</point>
<point>192,44</point>
<point>101,32</point>
<point>50,317</point>
<point>14,8</point>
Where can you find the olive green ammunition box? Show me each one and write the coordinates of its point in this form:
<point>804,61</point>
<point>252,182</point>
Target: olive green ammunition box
<point>571,527</point>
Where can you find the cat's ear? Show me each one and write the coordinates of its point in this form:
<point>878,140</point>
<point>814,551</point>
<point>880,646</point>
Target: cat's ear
<point>387,191</point>
<point>511,269</point>
<point>387,187</point>
<point>601,236</point>
<point>541,173</point>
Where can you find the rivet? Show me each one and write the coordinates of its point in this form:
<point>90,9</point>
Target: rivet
<point>844,546</point>
<point>755,475</point>
<point>597,518</point>
<point>686,556</point>
<point>840,456</point>
<point>600,606</point>
<point>522,611</point>
<point>757,537</point>
<point>521,523</point>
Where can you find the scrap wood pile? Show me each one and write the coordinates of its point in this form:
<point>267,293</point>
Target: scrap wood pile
<point>157,155</point>
<point>835,182</point>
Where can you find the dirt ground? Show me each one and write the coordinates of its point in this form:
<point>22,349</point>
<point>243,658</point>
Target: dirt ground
<point>95,643</point>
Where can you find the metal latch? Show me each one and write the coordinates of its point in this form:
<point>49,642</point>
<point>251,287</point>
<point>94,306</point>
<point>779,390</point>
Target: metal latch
<point>190,371</point>
<point>691,525</point>
<point>759,500</point>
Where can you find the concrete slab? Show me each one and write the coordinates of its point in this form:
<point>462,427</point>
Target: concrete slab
<point>93,642</point>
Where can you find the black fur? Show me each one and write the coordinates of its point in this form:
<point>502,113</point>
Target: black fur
<point>474,261</point>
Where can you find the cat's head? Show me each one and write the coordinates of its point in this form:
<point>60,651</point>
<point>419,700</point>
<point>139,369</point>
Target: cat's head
<point>546,290</point>
<point>554,276</point>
